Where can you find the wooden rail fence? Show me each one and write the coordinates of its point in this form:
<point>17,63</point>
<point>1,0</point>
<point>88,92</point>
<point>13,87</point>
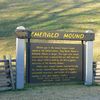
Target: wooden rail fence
<point>7,73</point>
<point>96,72</point>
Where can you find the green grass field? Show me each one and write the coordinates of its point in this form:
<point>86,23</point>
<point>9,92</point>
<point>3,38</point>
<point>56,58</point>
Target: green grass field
<point>61,15</point>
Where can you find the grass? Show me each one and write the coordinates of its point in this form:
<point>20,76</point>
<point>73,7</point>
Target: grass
<point>62,92</point>
<point>61,15</point>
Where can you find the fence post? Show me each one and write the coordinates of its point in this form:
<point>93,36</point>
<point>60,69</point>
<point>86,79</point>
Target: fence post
<point>6,65</point>
<point>7,70</point>
<point>11,72</point>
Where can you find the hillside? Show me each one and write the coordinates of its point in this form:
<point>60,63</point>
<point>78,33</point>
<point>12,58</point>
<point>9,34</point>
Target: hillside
<point>62,15</point>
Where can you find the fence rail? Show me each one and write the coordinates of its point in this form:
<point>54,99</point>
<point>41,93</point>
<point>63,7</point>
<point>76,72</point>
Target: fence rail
<point>96,71</point>
<point>7,73</point>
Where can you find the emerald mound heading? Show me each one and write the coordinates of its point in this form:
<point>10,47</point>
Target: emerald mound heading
<point>55,35</point>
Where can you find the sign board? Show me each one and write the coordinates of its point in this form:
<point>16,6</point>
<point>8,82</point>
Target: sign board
<point>55,35</point>
<point>47,62</point>
<point>54,62</point>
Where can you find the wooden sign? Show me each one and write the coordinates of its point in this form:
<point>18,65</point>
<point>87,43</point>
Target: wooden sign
<point>55,35</point>
<point>54,62</point>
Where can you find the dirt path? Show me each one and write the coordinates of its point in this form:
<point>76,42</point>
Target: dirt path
<point>65,92</point>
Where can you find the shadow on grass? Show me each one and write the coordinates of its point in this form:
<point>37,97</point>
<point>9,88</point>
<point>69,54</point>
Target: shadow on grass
<point>53,21</point>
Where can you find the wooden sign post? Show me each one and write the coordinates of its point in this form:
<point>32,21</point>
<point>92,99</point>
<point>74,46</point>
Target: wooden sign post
<point>20,46</point>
